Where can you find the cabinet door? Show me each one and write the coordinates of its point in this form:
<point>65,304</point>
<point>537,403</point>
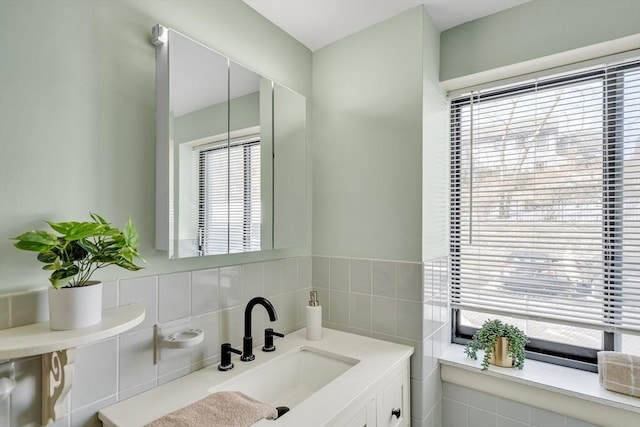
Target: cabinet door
<point>360,420</point>
<point>366,417</point>
<point>390,403</point>
<point>371,414</point>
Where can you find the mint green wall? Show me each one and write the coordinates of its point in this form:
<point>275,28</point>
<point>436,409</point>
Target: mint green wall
<point>436,148</point>
<point>367,140</point>
<point>533,30</point>
<point>77,106</point>
<point>212,120</point>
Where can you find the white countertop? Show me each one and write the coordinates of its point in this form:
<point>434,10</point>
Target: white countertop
<point>377,358</point>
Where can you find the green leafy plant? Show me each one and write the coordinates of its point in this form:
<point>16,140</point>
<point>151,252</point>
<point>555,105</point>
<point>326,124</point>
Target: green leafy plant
<point>80,248</point>
<point>487,336</point>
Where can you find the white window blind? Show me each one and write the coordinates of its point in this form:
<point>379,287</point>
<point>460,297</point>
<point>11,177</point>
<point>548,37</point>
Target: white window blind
<point>545,200</point>
<point>230,206</point>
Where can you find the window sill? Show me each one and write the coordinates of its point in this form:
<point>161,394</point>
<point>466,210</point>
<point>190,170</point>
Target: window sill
<point>555,388</point>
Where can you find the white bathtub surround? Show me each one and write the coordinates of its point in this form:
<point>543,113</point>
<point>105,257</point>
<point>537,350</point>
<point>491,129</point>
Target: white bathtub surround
<point>541,391</point>
<point>334,404</point>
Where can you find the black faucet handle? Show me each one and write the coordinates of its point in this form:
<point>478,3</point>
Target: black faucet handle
<point>225,357</point>
<point>269,333</point>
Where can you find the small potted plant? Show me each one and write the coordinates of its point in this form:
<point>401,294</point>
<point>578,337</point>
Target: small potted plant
<point>503,345</point>
<point>73,255</point>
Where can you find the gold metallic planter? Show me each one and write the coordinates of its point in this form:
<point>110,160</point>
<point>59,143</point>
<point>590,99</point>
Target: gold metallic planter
<point>500,356</point>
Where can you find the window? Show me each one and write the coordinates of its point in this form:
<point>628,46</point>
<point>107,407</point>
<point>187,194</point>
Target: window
<point>229,197</point>
<point>545,212</point>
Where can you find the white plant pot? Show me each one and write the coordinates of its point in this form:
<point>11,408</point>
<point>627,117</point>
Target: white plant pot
<point>75,308</point>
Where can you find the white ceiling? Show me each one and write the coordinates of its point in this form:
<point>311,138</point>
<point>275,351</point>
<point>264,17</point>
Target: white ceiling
<point>317,23</point>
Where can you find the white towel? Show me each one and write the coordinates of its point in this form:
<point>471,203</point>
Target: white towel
<point>222,409</point>
<point>619,372</point>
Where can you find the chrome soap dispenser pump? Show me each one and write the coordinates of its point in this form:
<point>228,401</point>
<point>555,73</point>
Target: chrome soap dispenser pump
<point>314,318</point>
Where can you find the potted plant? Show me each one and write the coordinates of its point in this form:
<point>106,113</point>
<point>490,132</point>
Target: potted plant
<point>503,345</point>
<point>73,255</point>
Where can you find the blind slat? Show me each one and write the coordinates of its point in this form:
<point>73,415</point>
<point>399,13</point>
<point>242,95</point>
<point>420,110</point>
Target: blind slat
<point>545,200</point>
<point>230,203</point>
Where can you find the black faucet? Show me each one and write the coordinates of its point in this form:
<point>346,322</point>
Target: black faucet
<point>225,357</point>
<point>269,333</point>
<point>247,341</point>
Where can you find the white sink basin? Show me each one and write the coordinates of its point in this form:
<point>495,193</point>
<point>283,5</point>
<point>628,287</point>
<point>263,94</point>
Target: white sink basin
<point>291,378</point>
<point>320,381</point>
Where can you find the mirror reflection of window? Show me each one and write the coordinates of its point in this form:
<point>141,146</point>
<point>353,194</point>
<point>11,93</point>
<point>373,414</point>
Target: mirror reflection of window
<point>223,133</point>
<point>229,207</point>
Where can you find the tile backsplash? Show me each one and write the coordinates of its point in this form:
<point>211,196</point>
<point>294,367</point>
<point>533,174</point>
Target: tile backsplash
<point>120,367</point>
<point>465,407</point>
<point>397,301</point>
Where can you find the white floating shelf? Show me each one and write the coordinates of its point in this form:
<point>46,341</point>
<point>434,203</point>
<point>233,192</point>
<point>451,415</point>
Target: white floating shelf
<point>37,338</point>
<point>58,350</point>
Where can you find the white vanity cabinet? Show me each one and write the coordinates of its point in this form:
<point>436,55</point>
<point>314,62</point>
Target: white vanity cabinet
<point>389,405</point>
<point>374,386</point>
<point>363,417</point>
<point>392,404</point>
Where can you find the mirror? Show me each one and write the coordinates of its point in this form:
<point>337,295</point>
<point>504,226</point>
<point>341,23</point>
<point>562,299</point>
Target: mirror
<point>289,118</point>
<point>231,161</point>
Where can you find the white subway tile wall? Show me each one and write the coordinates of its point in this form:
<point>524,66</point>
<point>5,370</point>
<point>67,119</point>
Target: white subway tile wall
<point>408,274</point>
<point>392,300</point>
<point>97,366</point>
<point>29,307</point>
<point>360,311</point>
<point>120,367</point>
<point>206,353</point>
<point>403,302</point>
<point>290,275</point>
<point>272,278</point>
<point>144,291</point>
<point>109,294</point>
<point>384,278</point>
<point>465,407</point>
<point>5,317</point>
<point>174,296</point>
<point>204,291</point>
<point>230,290</point>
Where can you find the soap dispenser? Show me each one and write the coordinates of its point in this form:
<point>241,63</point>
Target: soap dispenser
<point>314,318</point>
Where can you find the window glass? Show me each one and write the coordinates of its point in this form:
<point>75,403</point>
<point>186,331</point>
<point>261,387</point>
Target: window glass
<point>630,344</point>
<point>545,209</point>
